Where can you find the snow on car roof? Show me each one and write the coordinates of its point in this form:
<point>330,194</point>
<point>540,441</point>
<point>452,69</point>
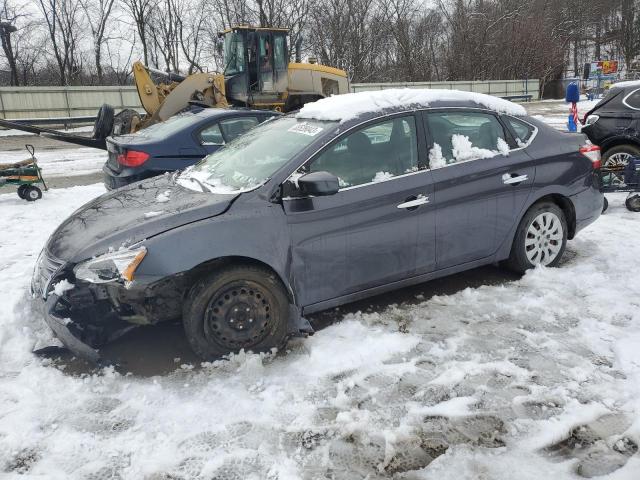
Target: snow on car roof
<point>345,107</point>
<point>630,83</point>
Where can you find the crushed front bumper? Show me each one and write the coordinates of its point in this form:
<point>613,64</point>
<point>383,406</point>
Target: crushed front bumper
<point>62,328</point>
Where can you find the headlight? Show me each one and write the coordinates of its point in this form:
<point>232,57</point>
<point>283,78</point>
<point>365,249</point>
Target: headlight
<point>111,267</point>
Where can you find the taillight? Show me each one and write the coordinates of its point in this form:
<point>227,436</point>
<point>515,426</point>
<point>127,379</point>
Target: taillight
<point>132,158</point>
<point>592,152</point>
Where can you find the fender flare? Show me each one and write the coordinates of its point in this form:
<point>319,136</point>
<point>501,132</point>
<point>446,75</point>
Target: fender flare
<point>551,191</point>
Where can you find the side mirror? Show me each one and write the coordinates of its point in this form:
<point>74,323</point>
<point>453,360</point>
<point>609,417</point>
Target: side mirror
<point>318,184</point>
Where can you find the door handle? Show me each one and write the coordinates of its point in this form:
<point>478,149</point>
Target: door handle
<point>415,203</point>
<point>513,178</point>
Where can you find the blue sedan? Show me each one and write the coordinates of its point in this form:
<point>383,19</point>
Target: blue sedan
<point>176,143</point>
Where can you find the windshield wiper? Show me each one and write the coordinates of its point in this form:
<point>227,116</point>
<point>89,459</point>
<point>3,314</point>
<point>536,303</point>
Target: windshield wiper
<point>200,184</point>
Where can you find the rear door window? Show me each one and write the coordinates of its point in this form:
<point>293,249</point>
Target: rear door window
<point>462,136</point>
<point>234,127</point>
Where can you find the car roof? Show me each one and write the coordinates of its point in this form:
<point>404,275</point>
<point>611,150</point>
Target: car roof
<point>213,112</point>
<point>371,104</point>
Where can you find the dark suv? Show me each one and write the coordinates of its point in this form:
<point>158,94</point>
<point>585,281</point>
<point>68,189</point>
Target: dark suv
<point>614,124</point>
<point>176,143</point>
<point>356,195</point>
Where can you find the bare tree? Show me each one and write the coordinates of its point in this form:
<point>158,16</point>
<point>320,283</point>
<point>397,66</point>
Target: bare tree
<point>141,13</point>
<point>10,15</point>
<point>98,14</point>
<point>62,18</point>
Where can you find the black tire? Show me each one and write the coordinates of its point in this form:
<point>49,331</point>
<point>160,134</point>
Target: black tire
<point>21,191</point>
<point>519,260</point>
<point>242,307</point>
<point>605,205</point>
<point>32,193</point>
<point>104,122</point>
<point>633,203</point>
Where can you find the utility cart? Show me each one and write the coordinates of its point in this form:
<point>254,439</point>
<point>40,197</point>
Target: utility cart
<point>622,178</point>
<point>25,174</point>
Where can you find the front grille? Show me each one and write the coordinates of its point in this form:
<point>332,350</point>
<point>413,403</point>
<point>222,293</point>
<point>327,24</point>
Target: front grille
<point>46,266</point>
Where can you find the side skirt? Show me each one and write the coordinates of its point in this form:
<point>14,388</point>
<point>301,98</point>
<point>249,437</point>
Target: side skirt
<point>370,292</point>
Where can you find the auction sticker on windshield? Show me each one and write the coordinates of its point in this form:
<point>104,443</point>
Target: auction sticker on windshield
<point>305,129</point>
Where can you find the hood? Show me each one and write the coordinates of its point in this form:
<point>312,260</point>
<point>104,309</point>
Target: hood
<point>126,216</point>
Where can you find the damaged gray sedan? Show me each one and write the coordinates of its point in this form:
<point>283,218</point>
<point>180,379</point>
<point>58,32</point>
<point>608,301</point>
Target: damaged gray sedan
<point>314,210</point>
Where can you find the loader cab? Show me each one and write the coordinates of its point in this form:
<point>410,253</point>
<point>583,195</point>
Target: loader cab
<point>256,63</point>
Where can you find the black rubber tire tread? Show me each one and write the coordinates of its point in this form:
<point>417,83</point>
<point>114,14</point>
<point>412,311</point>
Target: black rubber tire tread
<point>518,261</point>
<point>605,205</point>
<point>27,193</point>
<point>104,122</point>
<point>633,203</point>
<point>204,288</point>
<point>21,190</point>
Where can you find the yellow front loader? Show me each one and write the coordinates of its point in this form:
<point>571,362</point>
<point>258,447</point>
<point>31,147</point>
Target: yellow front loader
<point>257,74</point>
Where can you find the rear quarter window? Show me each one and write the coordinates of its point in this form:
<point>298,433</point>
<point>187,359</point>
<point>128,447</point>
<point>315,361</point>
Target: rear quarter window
<point>523,131</point>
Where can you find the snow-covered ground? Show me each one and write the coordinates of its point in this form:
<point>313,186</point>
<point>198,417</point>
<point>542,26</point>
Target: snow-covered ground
<point>61,162</point>
<point>534,378</point>
<point>529,379</point>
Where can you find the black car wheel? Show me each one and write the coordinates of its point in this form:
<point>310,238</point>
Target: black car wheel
<point>618,157</point>
<point>633,203</point>
<point>243,307</point>
<point>21,191</point>
<point>31,193</point>
<point>104,122</point>
<point>541,238</point>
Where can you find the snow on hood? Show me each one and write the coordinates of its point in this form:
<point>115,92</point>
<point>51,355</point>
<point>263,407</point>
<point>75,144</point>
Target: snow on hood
<point>631,83</point>
<point>345,107</point>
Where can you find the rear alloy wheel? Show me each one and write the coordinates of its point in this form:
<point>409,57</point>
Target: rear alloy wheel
<point>541,238</point>
<point>31,193</point>
<point>618,157</point>
<point>244,307</point>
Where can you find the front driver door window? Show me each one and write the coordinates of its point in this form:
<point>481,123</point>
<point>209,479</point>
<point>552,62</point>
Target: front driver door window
<point>359,238</point>
<point>373,154</point>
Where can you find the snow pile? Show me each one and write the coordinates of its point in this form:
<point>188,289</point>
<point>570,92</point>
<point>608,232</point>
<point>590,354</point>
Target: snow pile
<point>463,149</point>
<point>382,176</point>
<point>478,382</point>
<point>436,159</point>
<point>503,147</point>
<point>351,105</point>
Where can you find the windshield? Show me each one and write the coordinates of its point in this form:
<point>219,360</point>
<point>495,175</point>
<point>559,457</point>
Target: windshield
<point>233,53</point>
<point>251,159</point>
<point>169,126</point>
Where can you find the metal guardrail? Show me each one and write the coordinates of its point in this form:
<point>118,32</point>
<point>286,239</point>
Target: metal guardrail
<point>64,121</point>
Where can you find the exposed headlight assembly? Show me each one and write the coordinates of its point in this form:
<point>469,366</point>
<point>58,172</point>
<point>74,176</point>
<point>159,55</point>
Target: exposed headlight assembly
<point>111,267</point>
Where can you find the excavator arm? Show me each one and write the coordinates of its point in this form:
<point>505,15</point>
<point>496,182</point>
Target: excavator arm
<point>163,100</point>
